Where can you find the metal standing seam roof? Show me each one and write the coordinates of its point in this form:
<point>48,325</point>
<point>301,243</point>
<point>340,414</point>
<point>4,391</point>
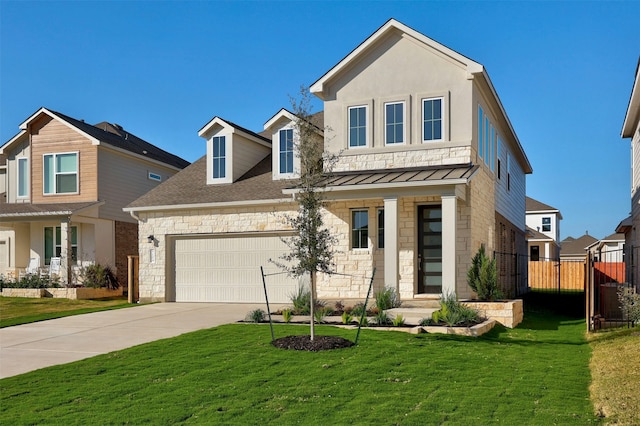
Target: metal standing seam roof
<point>414,175</point>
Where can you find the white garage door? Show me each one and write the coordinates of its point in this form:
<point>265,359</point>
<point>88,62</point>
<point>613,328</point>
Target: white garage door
<point>227,269</point>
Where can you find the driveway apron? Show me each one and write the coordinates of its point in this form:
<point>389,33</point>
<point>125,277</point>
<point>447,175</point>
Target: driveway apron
<point>29,347</point>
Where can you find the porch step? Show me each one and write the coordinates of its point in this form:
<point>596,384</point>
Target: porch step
<point>412,316</point>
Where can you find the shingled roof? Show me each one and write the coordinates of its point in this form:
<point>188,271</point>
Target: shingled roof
<point>114,135</point>
<point>576,246</point>
<point>533,205</point>
<point>189,187</point>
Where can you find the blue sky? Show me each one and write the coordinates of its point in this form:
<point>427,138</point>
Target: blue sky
<point>563,70</point>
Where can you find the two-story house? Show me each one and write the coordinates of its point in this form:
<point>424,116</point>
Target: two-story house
<point>429,169</point>
<point>630,226</point>
<point>543,230</point>
<point>64,185</point>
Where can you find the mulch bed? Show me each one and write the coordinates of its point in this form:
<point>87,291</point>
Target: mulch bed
<point>319,343</point>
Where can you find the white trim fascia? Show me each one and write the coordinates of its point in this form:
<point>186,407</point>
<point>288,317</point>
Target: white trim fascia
<point>12,140</point>
<point>221,122</point>
<point>138,156</point>
<point>472,67</point>
<point>93,140</point>
<point>200,206</point>
<point>55,213</point>
<point>633,110</point>
<point>283,113</point>
<point>378,186</point>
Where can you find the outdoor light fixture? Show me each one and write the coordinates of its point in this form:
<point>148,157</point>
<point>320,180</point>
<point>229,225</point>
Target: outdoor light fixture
<point>150,238</point>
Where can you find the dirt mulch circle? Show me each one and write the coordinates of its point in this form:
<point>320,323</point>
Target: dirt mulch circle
<point>319,343</point>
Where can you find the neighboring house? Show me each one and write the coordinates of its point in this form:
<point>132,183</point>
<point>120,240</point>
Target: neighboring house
<point>65,183</point>
<point>631,225</point>
<point>543,225</point>
<point>429,170</point>
<point>609,249</point>
<point>575,249</point>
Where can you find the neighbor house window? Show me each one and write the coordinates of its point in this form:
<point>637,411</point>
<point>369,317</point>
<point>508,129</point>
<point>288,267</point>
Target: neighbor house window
<point>546,224</point>
<point>53,245</point>
<point>357,126</point>
<point>486,140</point>
<point>154,176</point>
<point>394,123</point>
<point>219,157</point>
<point>286,151</point>
<point>494,134</point>
<point>359,229</point>
<point>23,177</point>
<point>61,173</point>
<point>381,228</point>
<point>432,119</point>
<point>498,156</point>
<point>534,253</point>
<point>508,172</point>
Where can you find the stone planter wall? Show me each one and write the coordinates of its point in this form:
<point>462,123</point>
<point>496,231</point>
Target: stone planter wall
<point>62,293</point>
<point>508,313</point>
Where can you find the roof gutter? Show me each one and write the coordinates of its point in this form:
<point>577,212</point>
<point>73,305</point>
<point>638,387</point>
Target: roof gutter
<point>132,210</point>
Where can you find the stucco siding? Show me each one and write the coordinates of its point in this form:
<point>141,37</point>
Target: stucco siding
<point>122,179</point>
<point>374,81</point>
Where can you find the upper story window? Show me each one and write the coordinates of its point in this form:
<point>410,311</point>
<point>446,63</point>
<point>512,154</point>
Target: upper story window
<point>23,177</point>
<point>357,126</point>
<point>219,157</point>
<point>546,224</point>
<point>359,229</point>
<point>480,132</point>
<point>432,119</point>
<point>61,173</point>
<point>394,123</point>
<point>286,151</point>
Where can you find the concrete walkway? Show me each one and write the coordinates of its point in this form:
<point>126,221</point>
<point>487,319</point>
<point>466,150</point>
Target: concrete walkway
<point>28,347</point>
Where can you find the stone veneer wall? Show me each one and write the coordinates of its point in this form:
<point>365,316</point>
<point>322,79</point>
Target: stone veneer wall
<point>152,276</point>
<point>418,157</point>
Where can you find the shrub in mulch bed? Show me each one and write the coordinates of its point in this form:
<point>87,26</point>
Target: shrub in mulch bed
<point>319,343</point>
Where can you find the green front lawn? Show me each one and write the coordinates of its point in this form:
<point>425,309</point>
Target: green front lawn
<point>23,310</point>
<point>535,374</point>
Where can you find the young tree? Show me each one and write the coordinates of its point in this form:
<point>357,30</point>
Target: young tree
<point>311,248</point>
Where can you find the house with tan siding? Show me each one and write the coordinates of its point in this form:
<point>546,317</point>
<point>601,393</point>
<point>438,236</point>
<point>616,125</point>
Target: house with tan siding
<point>64,185</point>
<point>429,169</point>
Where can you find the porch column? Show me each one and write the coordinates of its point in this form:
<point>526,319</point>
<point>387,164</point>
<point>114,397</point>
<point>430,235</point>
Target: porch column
<point>449,261</point>
<point>391,242</point>
<point>65,251</point>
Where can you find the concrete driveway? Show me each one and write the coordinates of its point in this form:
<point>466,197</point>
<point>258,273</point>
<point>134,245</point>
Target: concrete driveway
<point>28,347</point>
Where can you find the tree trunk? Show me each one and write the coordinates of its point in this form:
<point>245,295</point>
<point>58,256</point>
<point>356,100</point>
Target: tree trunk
<point>313,303</point>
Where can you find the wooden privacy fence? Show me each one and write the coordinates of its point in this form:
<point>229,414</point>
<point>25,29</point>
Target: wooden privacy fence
<point>562,275</point>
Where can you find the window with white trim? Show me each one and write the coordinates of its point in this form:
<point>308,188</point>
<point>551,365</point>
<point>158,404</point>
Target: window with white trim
<point>286,151</point>
<point>219,157</point>
<point>53,243</point>
<point>394,123</point>
<point>23,177</point>
<point>546,224</point>
<point>432,115</point>
<point>357,126</point>
<point>480,132</point>
<point>61,173</point>
<point>359,229</point>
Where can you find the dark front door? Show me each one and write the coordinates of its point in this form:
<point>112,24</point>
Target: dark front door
<point>429,249</point>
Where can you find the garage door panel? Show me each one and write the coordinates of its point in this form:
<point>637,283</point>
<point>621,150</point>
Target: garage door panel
<point>227,269</point>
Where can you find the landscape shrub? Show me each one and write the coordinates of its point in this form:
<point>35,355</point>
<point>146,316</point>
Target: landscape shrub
<point>482,276</point>
<point>99,276</point>
<point>630,303</point>
<point>257,315</point>
<point>30,281</point>
<point>387,298</point>
<point>453,313</point>
<point>346,317</point>
<point>381,318</point>
<point>301,301</point>
<point>398,321</point>
<point>287,314</point>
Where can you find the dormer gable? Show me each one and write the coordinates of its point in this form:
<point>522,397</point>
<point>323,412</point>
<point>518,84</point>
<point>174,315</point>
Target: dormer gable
<point>285,160</point>
<point>231,150</point>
